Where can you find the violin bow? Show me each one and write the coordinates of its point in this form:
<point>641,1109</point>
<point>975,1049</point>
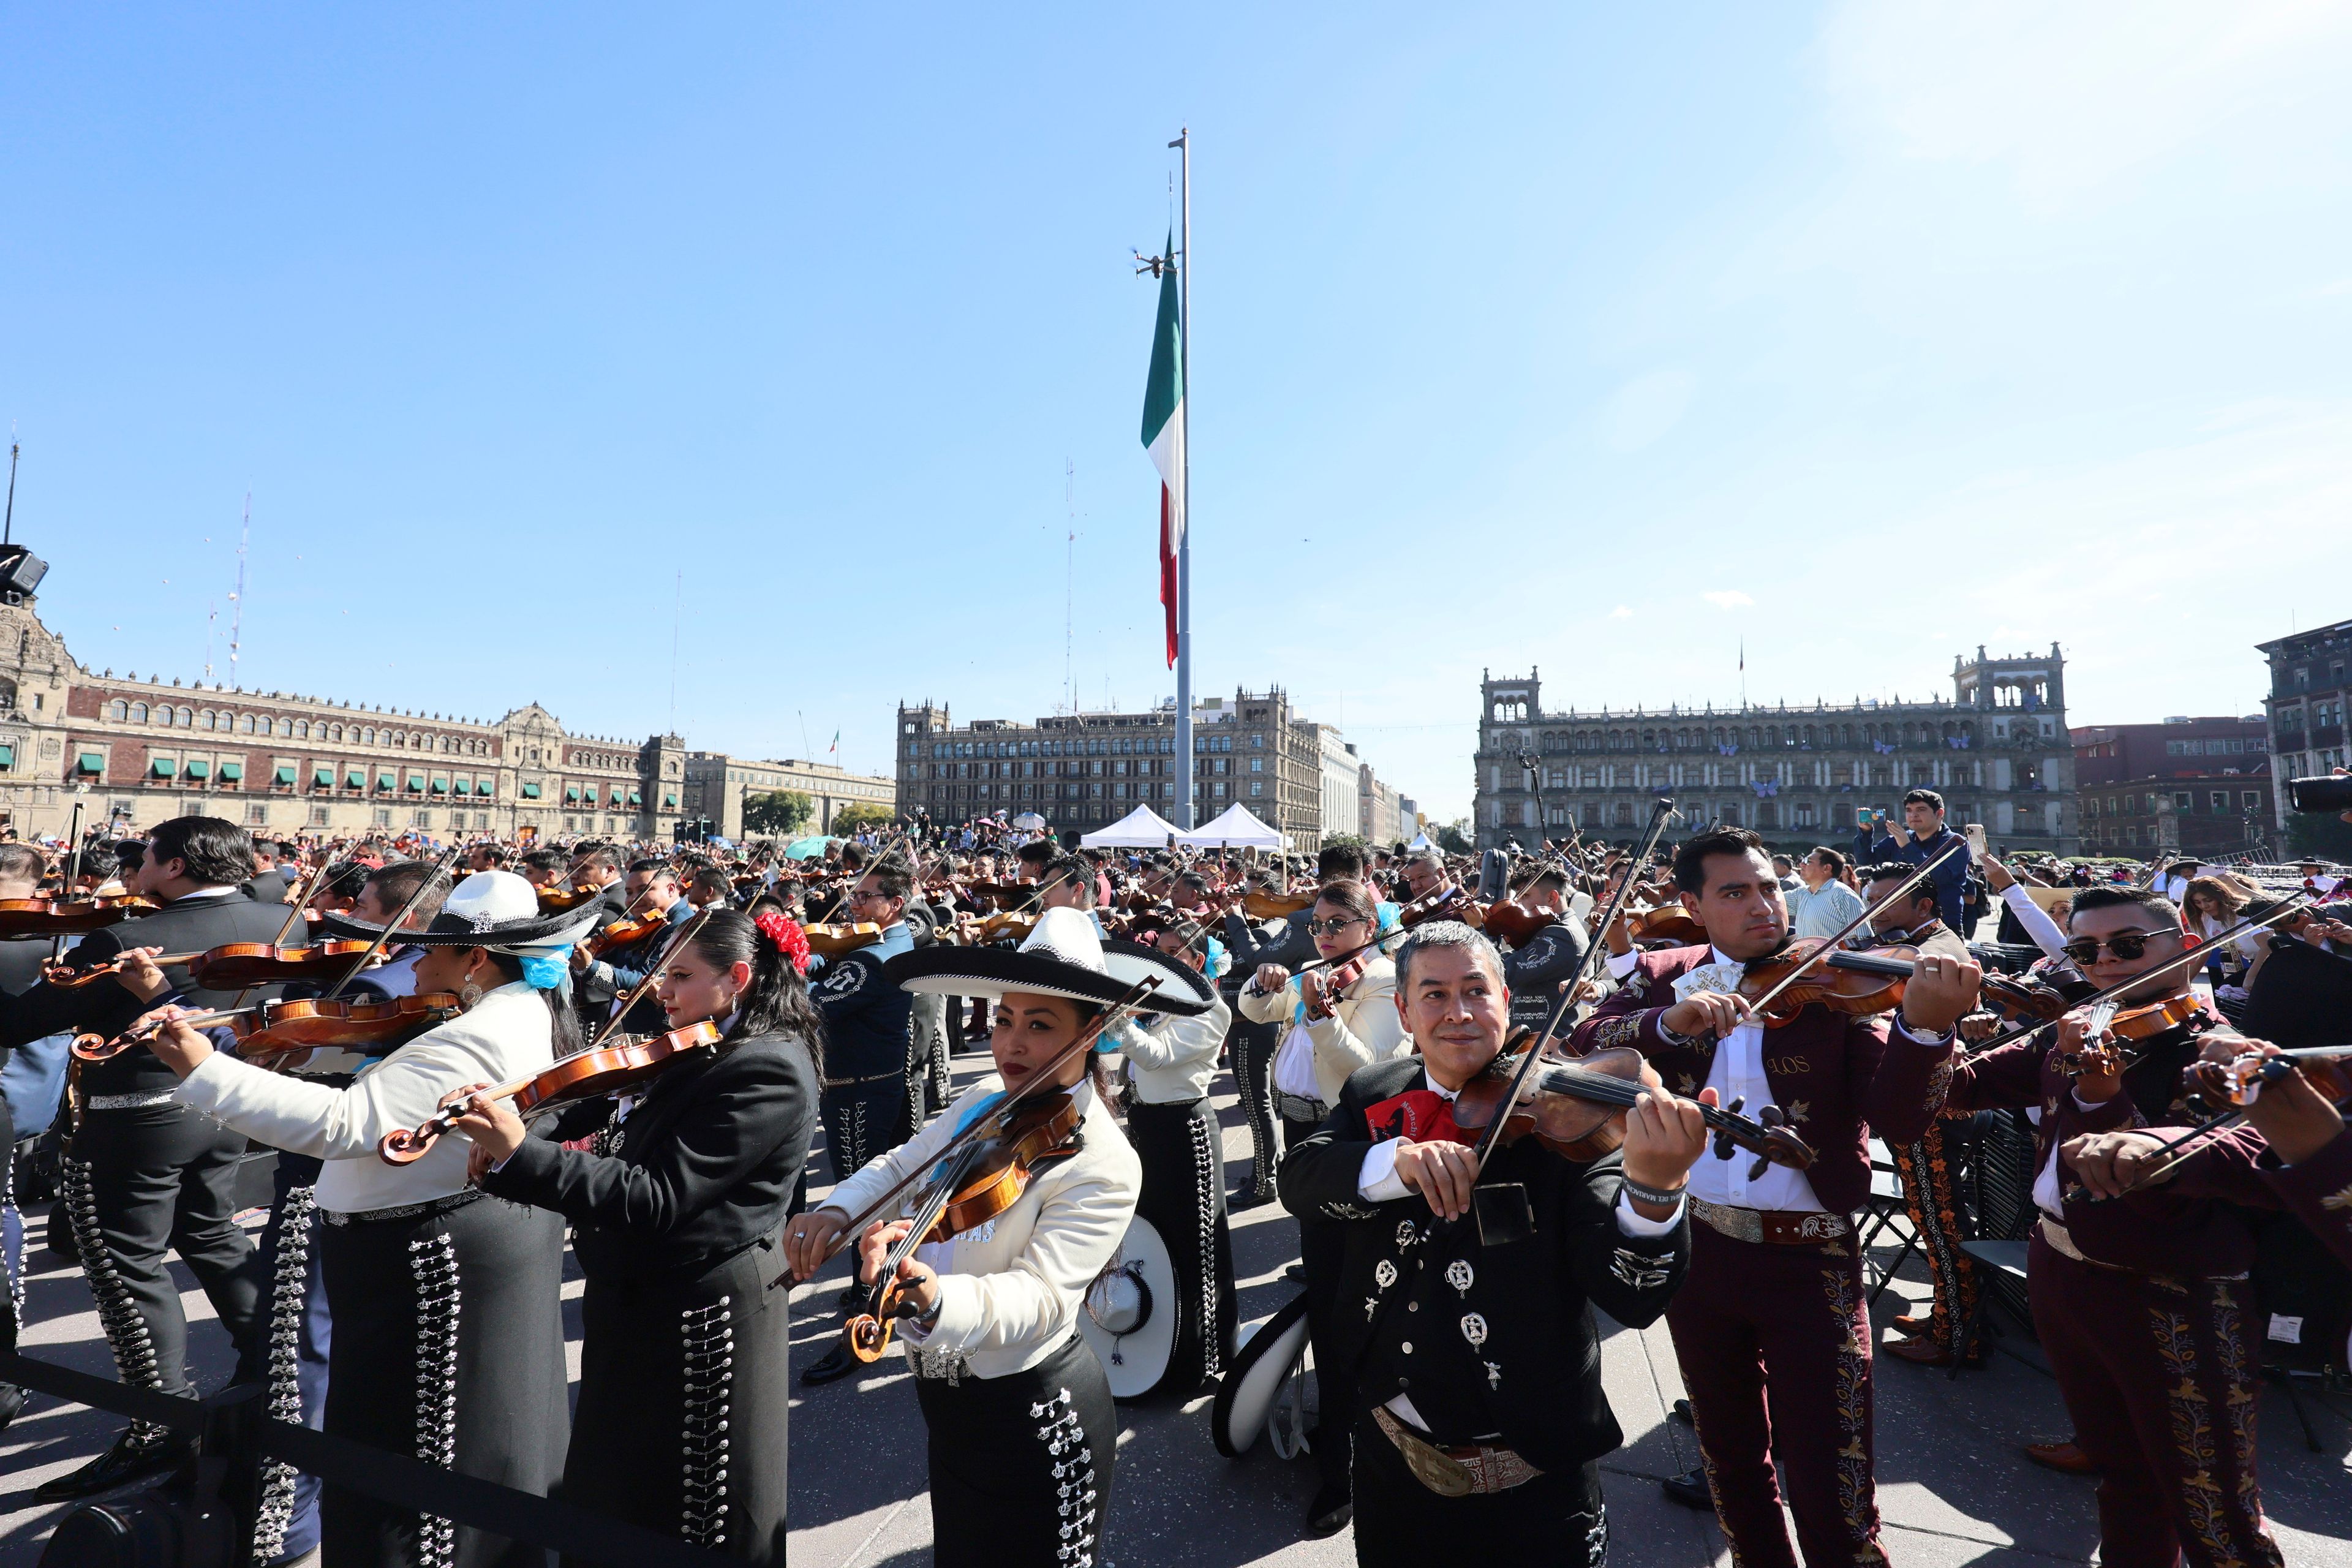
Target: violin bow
<point>2194,954</point>
<point>2272,1069</point>
<point>407,907</point>
<point>73,867</point>
<point>1508,1223</point>
<point>1836,942</point>
<point>652,972</point>
<point>984,1127</point>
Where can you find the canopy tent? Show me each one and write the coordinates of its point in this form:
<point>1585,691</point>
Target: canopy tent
<point>1233,828</point>
<point>1142,828</point>
<point>1420,842</point>
<point>808,848</point>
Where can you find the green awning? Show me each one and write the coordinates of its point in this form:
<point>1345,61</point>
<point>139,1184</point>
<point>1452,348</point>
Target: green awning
<point>90,762</point>
<point>486,787</point>
<point>632,798</point>
<point>199,769</point>
<point>571,794</point>
<point>232,772</point>
<point>163,767</point>
<point>322,777</point>
<point>616,798</point>
<point>416,784</point>
<point>440,785</point>
<point>670,802</point>
<point>285,774</point>
<point>7,756</point>
<point>387,780</point>
<point>355,778</point>
<point>530,792</point>
<point>461,786</point>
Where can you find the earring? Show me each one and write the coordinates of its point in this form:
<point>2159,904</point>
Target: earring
<point>468,994</point>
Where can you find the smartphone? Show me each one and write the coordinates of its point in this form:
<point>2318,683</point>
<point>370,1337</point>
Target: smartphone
<point>1974,833</point>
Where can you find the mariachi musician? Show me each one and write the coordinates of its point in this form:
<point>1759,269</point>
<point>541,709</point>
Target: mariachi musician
<point>144,1173</point>
<point>1022,1432</point>
<point>1479,1412</point>
<point>421,1276</point>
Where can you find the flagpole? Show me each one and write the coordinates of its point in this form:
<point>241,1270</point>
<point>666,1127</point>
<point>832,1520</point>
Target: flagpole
<point>1185,817</point>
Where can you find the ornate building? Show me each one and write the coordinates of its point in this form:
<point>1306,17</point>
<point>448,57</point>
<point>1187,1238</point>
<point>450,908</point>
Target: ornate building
<point>2307,702</point>
<point>137,752</point>
<point>717,783</point>
<point>1998,749</point>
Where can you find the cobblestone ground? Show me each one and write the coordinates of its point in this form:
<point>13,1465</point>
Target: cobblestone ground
<point>1952,1485</point>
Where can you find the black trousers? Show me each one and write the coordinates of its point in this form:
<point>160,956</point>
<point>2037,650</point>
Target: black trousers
<point>862,1121</point>
<point>139,1182</point>
<point>1556,1518</point>
<point>1320,1243</point>
<point>1183,1196</point>
<point>1249,1050</point>
<point>1021,1464</point>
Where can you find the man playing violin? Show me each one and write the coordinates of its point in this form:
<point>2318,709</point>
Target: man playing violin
<point>1775,1291</point>
<point>1536,970</point>
<point>144,1174</point>
<point>2142,1307</point>
<point>651,889</point>
<point>1479,1414</point>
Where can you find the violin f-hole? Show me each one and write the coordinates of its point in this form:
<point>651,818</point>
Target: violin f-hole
<point>1502,1213</point>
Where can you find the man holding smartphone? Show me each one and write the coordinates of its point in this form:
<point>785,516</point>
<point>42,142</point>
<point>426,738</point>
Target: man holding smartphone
<point>1921,838</point>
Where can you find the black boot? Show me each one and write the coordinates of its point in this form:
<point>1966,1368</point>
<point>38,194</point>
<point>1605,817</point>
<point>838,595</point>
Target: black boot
<point>138,1452</point>
<point>12,1404</point>
<point>832,1367</point>
<point>1690,1489</point>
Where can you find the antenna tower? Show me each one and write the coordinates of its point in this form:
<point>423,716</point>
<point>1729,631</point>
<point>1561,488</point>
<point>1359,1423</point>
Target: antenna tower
<point>237,618</point>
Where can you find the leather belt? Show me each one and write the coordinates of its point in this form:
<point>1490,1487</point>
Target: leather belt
<point>430,1207</point>
<point>1313,1110</point>
<point>139,1102</point>
<point>2061,1242</point>
<point>1773,1227</point>
<point>859,1083</point>
<point>1475,1469</point>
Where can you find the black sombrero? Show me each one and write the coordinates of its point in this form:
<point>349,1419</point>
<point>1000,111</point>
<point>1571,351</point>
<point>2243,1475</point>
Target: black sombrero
<point>1061,957</point>
<point>496,910</point>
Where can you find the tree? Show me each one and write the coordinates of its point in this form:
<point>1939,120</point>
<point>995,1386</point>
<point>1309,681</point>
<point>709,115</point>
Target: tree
<point>778,811</point>
<point>860,814</point>
<point>1455,837</point>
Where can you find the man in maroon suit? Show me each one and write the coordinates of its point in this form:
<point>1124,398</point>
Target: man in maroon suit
<point>2142,1306</point>
<point>1774,1294</point>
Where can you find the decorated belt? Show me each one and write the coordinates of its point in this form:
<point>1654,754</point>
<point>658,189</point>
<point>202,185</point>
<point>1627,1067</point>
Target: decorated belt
<point>425,1210</point>
<point>860,1082</point>
<point>1296,1108</point>
<point>1773,1227</point>
<point>2062,1241</point>
<point>1477,1469</point>
<point>139,1102</point>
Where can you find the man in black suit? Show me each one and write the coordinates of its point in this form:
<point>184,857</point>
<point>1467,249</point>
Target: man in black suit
<point>144,1174</point>
<point>21,958</point>
<point>1478,1366</point>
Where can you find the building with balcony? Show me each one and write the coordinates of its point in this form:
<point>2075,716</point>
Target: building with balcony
<point>2306,704</point>
<point>2187,786</point>
<point>1998,749</point>
<point>717,785</point>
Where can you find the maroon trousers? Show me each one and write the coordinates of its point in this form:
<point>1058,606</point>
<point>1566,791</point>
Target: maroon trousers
<point>1933,1204</point>
<point>1774,1344</point>
<point>2159,1377</point>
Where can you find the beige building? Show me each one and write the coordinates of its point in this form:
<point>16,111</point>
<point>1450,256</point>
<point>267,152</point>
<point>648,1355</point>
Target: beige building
<point>717,783</point>
<point>138,752</point>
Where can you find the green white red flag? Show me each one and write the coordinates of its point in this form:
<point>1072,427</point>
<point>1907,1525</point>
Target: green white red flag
<point>1164,434</point>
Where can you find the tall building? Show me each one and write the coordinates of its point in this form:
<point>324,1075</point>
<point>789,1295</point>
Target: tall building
<point>1998,749</point>
<point>1383,813</point>
<point>716,785</point>
<point>2306,704</point>
<point>1341,784</point>
<point>2187,786</point>
<point>1084,771</point>
<point>136,753</point>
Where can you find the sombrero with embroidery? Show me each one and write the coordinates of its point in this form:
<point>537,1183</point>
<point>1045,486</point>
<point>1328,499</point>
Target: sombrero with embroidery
<point>1061,957</point>
<point>496,910</point>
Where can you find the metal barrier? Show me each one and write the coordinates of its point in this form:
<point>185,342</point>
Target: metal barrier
<point>233,1433</point>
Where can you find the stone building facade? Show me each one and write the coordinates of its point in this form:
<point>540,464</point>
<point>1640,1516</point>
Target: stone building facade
<point>2188,786</point>
<point>1998,749</point>
<point>2306,705</point>
<point>717,783</point>
<point>138,752</point>
<point>1086,771</point>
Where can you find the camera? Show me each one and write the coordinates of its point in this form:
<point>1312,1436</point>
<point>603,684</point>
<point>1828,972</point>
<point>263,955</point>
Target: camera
<point>2320,793</point>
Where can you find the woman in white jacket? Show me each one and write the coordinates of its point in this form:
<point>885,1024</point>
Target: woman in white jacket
<point>1336,1020</point>
<point>1022,1430</point>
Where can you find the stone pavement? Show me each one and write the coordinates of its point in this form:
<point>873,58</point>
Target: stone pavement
<point>1952,1485</point>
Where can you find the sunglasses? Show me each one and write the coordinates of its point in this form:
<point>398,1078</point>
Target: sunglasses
<point>1333,926</point>
<point>2124,944</point>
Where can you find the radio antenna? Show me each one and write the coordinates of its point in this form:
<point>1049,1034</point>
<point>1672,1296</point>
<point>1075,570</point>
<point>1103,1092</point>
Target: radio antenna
<point>237,617</point>
<point>1070,579</point>
<point>9,533</point>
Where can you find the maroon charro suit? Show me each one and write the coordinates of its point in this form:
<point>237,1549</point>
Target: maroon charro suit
<point>2241,1167</point>
<point>2142,1306</point>
<point>1774,1340</point>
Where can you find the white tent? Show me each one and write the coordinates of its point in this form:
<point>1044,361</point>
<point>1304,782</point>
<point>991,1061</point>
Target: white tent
<point>1420,842</point>
<point>1142,828</point>
<point>1233,828</point>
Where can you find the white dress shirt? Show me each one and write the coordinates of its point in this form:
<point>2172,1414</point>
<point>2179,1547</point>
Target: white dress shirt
<point>1738,1071</point>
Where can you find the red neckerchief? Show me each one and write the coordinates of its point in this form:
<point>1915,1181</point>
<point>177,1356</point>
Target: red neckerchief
<point>1418,1115</point>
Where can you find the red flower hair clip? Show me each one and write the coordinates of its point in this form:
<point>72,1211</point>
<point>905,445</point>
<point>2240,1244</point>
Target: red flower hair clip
<point>788,937</point>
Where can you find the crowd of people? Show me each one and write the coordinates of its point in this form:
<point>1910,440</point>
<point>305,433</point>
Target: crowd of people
<point>1369,1008</point>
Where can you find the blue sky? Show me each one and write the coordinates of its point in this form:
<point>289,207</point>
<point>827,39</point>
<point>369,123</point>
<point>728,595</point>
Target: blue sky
<point>1590,338</point>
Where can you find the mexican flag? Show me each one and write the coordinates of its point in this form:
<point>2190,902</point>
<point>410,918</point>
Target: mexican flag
<point>1164,434</point>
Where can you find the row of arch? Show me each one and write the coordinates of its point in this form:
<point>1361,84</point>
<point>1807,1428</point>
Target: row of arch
<point>1803,737</point>
<point>227,722</point>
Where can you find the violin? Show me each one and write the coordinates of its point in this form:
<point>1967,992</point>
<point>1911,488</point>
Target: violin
<point>1269,906</point>
<point>606,1070</point>
<point>2129,1026</point>
<point>1515,925</point>
<point>68,916</point>
<point>269,1030</point>
<point>623,934</point>
<point>1575,1107</point>
<point>990,1181</point>
<point>555,901</point>
<point>836,939</point>
<point>1665,922</point>
<point>1004,923</point>
<point>238,965</point>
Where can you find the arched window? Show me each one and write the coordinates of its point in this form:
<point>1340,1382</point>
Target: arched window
<point>187,718</point>
<point>118,711</point>
<point>367,736</point>
<point>139,712</point>
<point>335,733</point>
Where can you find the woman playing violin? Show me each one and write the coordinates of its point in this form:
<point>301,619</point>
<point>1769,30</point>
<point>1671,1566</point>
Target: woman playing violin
<point>1337,1018</point>
<point>1022,1432</point>
<point>675,1196</point>
<point>448,1326</point>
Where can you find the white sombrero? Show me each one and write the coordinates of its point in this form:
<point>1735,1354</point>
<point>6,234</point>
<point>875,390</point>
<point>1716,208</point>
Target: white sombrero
<point>1062,957</point>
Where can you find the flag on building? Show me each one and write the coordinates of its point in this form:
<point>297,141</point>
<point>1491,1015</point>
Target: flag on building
<point>836,744</point>
<point>1164,434</point>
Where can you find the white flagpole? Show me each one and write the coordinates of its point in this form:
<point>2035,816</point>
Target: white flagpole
<point>1184,815</point>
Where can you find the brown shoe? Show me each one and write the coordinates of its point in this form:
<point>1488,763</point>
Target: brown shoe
<point>2063,1456</point>
<point>1921,1351</point>
<point>1907,1324</point>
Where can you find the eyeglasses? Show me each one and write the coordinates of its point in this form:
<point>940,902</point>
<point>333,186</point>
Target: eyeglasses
<point>1333,926</point>
<point>867,896</point>
<point>2124,944</point>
